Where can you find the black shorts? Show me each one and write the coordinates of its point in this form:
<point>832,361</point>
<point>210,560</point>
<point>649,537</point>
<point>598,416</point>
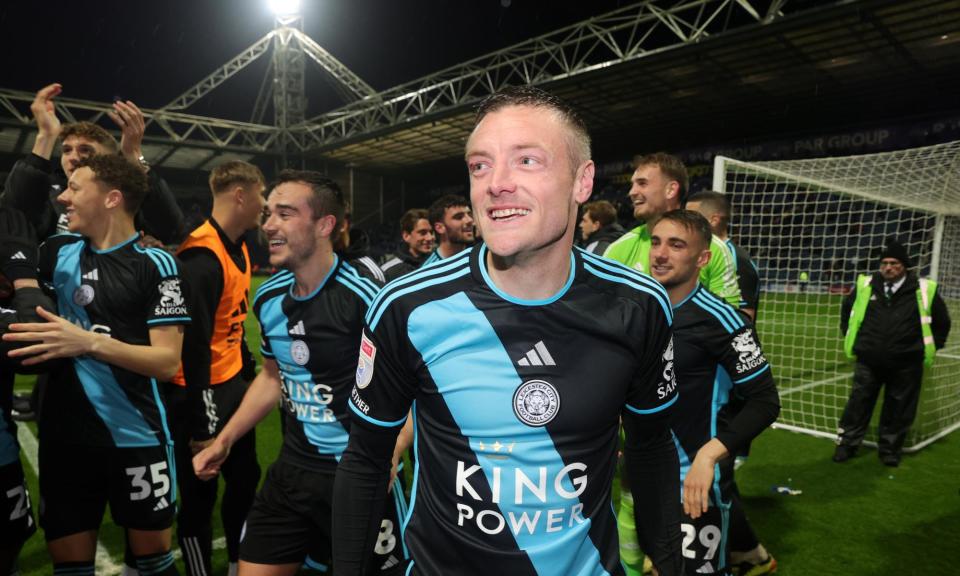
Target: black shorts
<point>219,402</point>
<point>704,544</point>
<point>77,482</point>
<point>290,522</point>
<point>16,513</point>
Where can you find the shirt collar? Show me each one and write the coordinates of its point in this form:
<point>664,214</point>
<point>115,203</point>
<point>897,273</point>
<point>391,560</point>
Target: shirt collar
<point>896,285</point>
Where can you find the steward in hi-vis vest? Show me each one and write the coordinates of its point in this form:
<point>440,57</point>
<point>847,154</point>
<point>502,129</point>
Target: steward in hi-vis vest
<point>893,324</point>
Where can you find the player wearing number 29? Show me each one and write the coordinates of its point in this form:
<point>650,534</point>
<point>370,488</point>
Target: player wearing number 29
<point>519,356</point>
<point>103,428</point>
<point>311,320</point>
<point>716,349</point>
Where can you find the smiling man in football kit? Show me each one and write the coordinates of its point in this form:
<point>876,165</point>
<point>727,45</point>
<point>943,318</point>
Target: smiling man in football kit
<point>515,457</point>
<point>716,351</point>
<point>311,318</point>
<point>120,324</point>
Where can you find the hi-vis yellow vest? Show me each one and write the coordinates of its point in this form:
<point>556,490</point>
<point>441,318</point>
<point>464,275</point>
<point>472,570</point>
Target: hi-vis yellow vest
<point>925,293</point>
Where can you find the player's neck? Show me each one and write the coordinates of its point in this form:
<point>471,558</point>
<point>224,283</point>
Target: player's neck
<point>536,276</point>
<point>114,229</point>
<point>224,216</point>
<point>312,272</point>
<point>447,249</point>
<point>680,292</point>
<point>723,236</point>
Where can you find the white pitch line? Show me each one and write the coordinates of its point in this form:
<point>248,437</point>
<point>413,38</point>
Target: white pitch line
<point>809,385</point>
<point>105,564</point>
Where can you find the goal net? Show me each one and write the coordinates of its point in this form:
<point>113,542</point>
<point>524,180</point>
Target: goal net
<point>812,226</point>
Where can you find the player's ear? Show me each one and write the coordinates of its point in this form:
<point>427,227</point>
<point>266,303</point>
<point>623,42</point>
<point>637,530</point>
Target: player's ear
<point>584,182</point>
<point>239,195</point>
<point>439,228</point>
<point>673,190</point>
<point>704,258</point>
<point>327,225</point>
<point>112,199</point>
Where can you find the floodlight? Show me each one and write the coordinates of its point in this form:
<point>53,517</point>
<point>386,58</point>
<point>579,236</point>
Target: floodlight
<point>284,7</point>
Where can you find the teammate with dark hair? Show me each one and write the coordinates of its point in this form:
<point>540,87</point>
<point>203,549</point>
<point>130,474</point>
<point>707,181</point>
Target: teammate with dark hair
<point>452,220</point>
<point>121,315</point>
<point>311,319</point>
<point>716,351</point>
<point>416,248</point>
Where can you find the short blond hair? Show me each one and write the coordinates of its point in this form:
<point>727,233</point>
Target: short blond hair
<point>233,173</point>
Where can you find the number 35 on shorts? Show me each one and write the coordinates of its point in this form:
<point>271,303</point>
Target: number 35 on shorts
<point>147,481</point>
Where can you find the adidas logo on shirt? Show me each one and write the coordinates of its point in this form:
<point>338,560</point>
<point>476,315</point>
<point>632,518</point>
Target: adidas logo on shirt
<point>19,256</point>
<point>161,505</point>
<point>537,356</point>
<point>298,330</point>
<point>92,275</point>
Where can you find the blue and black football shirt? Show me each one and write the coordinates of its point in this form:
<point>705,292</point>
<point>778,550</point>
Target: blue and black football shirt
<point>517,406</point>
<point>122,291</point>
<point>717,350</point>
<point>314,341</point>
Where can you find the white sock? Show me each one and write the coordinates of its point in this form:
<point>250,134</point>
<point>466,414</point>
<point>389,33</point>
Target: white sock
<point>232,571</point>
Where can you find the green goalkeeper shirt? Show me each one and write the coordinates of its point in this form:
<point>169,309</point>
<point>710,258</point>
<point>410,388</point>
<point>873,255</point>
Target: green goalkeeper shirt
<point>719,276</point>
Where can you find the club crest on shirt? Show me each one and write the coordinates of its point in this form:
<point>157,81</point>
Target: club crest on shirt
<point>365,363</point>
<point>83,295</point>
<point>536,403</point>
<point>749,352</point>
<point>299,352</point>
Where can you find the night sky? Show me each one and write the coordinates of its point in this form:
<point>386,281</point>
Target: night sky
<point>150,52</point>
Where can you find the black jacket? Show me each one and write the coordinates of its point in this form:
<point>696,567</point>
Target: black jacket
<point>890,333</point>
<point>33,187</point>
<point>400,263</point>
<point>598,241</point>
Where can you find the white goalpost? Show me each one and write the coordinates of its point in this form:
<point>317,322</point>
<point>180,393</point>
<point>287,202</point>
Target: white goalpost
<point>812,226</point>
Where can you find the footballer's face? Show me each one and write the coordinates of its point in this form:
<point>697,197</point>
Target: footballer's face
<point>457,225</point>
<point>892,269</point>
<point>77,148</point>
<point>588,226</point>
<point>523,186</point>
<point>652,192</point>
<point>293,234</point>
<point>85,200</point>
<point>420,239</point>
<point>676,254</point>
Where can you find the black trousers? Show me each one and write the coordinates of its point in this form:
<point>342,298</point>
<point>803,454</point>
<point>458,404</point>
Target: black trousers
<point>241,474</point>
<point>901,396</point>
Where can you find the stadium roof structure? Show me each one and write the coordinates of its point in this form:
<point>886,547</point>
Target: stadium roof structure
<point>674,70</point>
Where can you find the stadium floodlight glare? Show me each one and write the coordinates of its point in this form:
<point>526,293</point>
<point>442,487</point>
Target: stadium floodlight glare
<point>284,7</point>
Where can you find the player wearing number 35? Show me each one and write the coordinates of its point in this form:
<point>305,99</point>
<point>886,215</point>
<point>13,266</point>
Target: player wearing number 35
<point>103,428</point>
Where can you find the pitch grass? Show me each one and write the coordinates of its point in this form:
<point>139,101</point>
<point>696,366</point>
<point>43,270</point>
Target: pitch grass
<point>854,519</point>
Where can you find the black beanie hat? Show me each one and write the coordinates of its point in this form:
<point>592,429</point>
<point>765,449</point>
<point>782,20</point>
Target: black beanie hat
<point>895,249</point>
